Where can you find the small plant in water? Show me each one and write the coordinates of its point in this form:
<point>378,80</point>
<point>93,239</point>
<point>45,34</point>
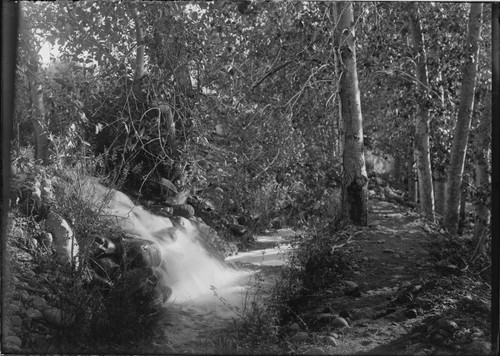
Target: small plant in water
<point>254,325</point>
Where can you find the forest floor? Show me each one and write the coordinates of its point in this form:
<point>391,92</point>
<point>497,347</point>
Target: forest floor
<point>416,297</point>
<point>409,302</point>
<point>409,291</point>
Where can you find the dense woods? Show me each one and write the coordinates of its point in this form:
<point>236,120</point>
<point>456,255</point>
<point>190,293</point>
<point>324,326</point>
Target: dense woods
<point>254,115</point>
<point>181,93</point>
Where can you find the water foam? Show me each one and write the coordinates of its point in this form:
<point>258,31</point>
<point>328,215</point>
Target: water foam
<point>207,294</point>
<point>188,269</point>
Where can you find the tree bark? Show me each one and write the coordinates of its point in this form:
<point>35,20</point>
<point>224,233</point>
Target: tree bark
<point>463,204</point>
<point>495,178</point>
<point>462,128</point>
<point>411,179</point>
<point>440,195</point>
<point>422,146</point>
<point>41,138</point>
<point>397,168</point>
<point>354,177</point>
<point>481,141</point>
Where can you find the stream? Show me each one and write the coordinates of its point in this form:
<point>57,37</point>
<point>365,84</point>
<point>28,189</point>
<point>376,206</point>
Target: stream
<point>187,323</point>
<point>207,294</point>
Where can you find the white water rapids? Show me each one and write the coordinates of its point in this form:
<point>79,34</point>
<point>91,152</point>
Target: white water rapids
<point>205,291</point>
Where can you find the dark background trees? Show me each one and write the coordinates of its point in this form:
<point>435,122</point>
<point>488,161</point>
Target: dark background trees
<point>235,106</point>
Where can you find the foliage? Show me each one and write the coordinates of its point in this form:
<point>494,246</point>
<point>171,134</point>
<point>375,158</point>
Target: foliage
<point>251,90</point>
<point>95,313</point>
<point>386,69</point>
<point>315,263</point>
<point>255,325</point>
<point>320,265</point>
<point>458,255</point>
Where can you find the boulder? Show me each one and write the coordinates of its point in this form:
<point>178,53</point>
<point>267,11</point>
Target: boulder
<point>16,321</point>
<point>139,289</point>
<point>33,313</point>
<point>39,303</point>
<point>301,336</point>
<point>479,347</point>
<point>316,350</point>
<point>13,343</point>
<point>158,296</point>
<point>184,210</point>
<point>237,229</point>
<point>141,253</point>
<point>447,325</point>
<point>165,292</point>
<point>58,317</point>
<point>411,313</point>
<point>352,289</point>
<point>340,322</point>
<point>330,340</point>
<point>65,243</point>
<point>13,308</point>
<point>138,282</point>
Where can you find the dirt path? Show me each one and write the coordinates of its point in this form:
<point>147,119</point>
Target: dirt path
<point>392,253</point>
<point>404,305</point>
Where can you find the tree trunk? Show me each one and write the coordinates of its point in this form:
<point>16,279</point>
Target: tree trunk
<point>397,168</point>
<point>495,177</point>
<point>354,177</point>
<point>41,137</point>
<point>10,22</point>
<point>422,146</point>
<point>462,128</point>
<point>463,205</point>
<point>440,195</point>
<point>481,141</point>
<point>412,189</point>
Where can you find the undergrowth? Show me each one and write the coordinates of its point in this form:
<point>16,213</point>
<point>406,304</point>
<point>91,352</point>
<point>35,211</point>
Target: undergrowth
<point>459,253</point>
<point>255,322</point>
<point>313,264</point>
<point>88,312</point>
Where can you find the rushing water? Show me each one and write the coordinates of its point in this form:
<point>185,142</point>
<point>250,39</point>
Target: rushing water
<point>206,293</point>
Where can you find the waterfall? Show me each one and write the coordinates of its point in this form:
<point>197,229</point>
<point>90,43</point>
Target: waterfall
<point>188,269</point>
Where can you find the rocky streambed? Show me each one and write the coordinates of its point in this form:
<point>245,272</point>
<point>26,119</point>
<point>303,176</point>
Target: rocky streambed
<point>401,294</point>
<point>187,324</point>
<point>140,263</point>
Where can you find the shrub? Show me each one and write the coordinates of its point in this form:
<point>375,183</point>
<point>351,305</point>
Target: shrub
<point>256,323</point>
<point>75,290</point>
<point>313,265</point>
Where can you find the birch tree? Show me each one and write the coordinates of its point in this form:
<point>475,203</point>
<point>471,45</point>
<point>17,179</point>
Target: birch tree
<point>422,147</point>
<point>482,155</point>
<point>354,177</point>
<point>33,74</point>
<point>462,128</point>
